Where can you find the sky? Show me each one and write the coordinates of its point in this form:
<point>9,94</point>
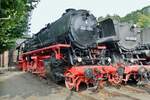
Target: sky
<point>47,11</point>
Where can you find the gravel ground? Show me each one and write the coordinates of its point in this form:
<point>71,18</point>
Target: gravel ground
<point>25,86</point>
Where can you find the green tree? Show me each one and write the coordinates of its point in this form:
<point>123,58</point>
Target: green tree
<point>14,17</point>
<point>143,21</point>
<point>139,17</point>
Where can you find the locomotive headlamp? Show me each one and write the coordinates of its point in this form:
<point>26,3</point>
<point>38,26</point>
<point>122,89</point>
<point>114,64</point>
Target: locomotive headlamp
<point>109,60</point>
<point>132,60</point>
<point>79,59</point>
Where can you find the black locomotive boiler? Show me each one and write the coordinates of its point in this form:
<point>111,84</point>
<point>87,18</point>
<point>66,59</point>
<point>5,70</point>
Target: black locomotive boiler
<point>77,27</point>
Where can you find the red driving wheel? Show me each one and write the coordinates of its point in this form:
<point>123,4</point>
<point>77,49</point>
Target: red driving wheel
<point>116,79</point>
<point>69,81</point>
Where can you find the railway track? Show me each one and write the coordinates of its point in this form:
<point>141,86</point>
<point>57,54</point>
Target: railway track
<point>127,92</point>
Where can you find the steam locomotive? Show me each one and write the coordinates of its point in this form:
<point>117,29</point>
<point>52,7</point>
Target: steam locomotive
<point>133,44</point>
<point>79,29</point>
<point>76,48</point>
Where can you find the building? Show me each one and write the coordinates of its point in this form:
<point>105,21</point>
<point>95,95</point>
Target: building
<point>9,57</point>
<point>4,59</point>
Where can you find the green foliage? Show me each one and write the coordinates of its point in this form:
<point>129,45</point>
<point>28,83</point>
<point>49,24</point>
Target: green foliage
<point>139,17</point>
<point>143,21</point>
<point>14,16</point>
